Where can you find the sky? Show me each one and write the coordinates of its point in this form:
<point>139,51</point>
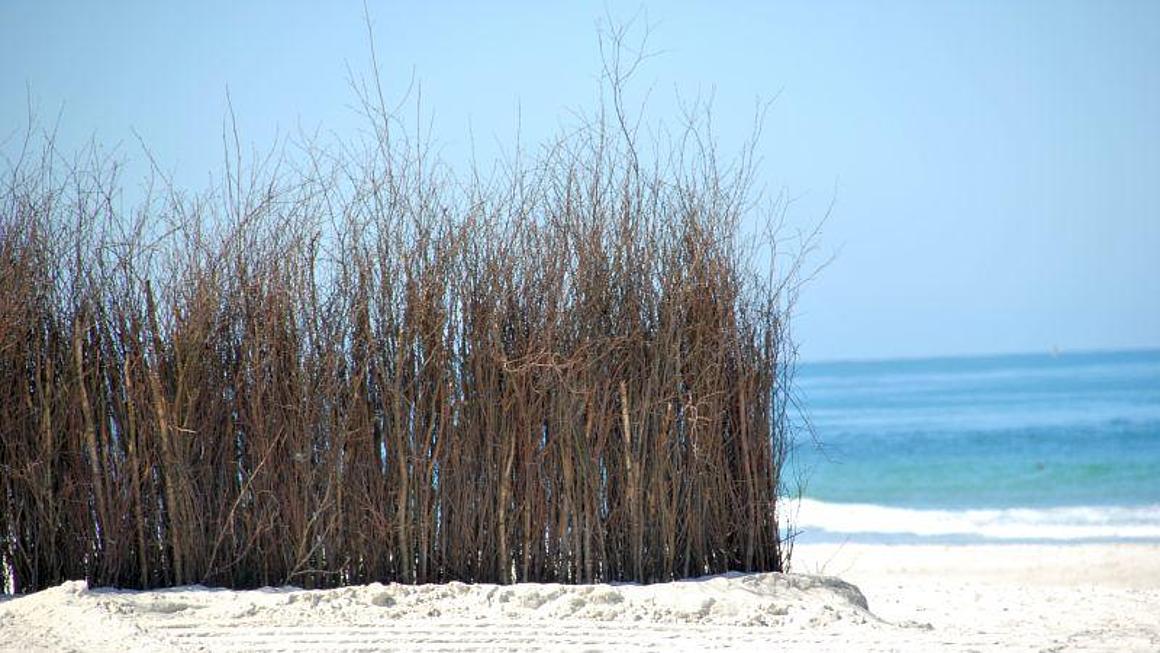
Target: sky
<point>993,168</point>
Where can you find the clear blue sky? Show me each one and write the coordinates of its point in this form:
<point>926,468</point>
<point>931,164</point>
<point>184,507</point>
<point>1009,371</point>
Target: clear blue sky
<point>995,165</point>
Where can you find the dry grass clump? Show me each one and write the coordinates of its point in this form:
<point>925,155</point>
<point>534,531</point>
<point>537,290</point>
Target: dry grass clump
<point>356,368</point>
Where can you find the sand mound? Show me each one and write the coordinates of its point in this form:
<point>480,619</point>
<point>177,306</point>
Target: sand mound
<point>727,610</point>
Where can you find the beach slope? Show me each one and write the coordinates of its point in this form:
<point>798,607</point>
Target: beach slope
<point>914,597</point>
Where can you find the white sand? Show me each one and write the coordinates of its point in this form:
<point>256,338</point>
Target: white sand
<point>1089,597</point>
<point>964,598</point>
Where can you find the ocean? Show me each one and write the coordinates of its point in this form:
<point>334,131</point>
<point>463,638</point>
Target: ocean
<point>1035,447</point>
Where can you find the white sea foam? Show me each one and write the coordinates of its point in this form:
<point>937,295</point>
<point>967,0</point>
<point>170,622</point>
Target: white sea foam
<point>1058,523</point>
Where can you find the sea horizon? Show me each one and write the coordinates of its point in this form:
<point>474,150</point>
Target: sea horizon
<point>1053,352</point>
<point>1021,447</point>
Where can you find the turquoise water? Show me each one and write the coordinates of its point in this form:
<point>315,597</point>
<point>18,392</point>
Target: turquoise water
<point>1032,446</point>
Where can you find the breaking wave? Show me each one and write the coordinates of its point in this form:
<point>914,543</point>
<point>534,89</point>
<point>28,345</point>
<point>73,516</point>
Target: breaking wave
<point>1061,523</point>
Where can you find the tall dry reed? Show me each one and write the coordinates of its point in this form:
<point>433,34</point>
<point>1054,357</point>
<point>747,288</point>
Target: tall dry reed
<point>354,367</point>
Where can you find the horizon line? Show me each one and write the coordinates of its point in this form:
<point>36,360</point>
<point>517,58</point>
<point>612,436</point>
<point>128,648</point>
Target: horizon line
<point>1052,352</point>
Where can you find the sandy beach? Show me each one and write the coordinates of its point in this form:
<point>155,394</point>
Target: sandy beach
<point>1081,597</point>
<point>1100,597</point>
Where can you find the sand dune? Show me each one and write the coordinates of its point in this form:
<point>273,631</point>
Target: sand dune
<point>1035,598</point>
